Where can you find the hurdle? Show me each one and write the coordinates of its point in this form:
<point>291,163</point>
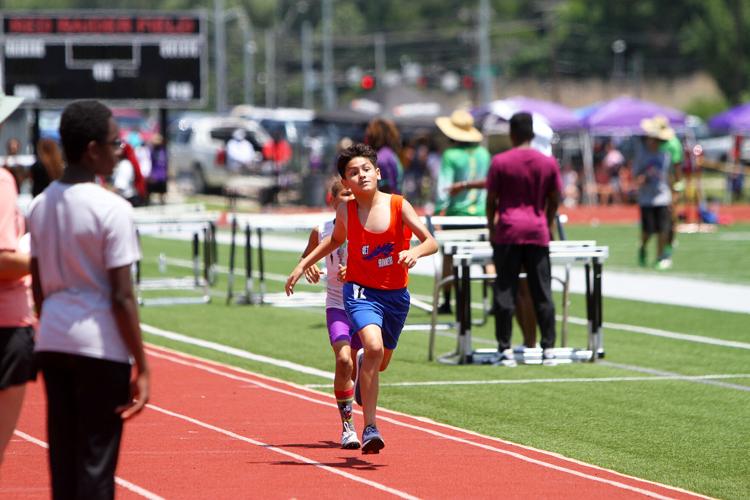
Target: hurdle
<point>255,291</point>
<point>204,273</point>
<point>466,254</point>
<point>473,229</point>
<point>452,229</point>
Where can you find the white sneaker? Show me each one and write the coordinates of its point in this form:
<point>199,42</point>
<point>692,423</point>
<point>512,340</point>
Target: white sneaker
<point>349,439</point>
<point>548,357</point>
<point>664,264</point>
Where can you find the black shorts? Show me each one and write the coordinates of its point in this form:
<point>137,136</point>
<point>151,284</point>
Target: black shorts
<point>157,187</point>
<point>16,356</point>
<point>655,219</point>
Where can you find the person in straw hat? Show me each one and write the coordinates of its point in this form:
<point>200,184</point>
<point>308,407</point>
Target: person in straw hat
<point>673,147</point>
<point>16,316</point>
<point>463,162</point>
<point>652,177</point>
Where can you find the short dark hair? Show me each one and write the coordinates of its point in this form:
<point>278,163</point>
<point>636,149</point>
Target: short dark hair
<point>82,122</point>
<point>521,127</point>
<point>356,150</point>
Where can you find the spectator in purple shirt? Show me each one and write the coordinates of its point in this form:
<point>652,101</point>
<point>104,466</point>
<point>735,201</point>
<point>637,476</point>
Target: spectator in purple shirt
<point>523,192</point>
<point>157,178</point>
<point>382,135</point>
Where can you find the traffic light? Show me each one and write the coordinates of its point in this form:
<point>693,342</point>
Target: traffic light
<point>367,82</point>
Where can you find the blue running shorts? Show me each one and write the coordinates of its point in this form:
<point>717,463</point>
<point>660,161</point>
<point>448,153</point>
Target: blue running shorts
<point>386,308</point>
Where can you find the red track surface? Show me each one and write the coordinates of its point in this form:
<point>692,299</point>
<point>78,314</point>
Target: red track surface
<point>630,214</point>
<point>213,431</point>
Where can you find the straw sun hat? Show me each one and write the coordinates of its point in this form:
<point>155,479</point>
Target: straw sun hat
<point>8,105</point>
<point>459,126</point>
<point>658,128</point>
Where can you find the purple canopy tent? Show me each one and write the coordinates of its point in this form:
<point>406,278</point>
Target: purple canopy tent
<point>620,116</point>
<point>623,115</point>
<point>558,117</point>
<point>736,119</point>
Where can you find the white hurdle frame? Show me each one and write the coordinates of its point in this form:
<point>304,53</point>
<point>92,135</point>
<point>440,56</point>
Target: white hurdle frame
<point>561,252</point>
<point>197,224</point>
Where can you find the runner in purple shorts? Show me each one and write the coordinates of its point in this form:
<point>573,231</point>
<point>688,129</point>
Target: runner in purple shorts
<point>339,327</point>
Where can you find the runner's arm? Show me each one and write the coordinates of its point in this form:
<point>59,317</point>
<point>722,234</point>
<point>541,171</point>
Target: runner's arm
<point>312,273</point>
<point>427,245</point>
<point>328,245</point>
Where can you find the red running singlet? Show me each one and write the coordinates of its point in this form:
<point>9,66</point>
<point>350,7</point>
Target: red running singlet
<point>372,259</point>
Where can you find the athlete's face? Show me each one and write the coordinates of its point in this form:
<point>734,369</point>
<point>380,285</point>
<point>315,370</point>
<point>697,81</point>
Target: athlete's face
<point>109,152</point>
<point>343,195</point>
<point>361,175</point>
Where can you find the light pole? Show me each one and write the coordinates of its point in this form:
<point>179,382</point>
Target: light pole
<point>483,35</point>
<point>221,17</point>
<point>618,64</point>
<point>220,45</point>
<point>278,56</point>
<point>249,48</point>
<point>329,90</point>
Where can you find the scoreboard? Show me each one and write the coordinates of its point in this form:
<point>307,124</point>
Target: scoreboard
<point>156,59</point>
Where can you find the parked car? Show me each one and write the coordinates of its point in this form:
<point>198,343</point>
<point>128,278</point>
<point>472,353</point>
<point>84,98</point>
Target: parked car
<point>294,122</point>
<point>197,147</point>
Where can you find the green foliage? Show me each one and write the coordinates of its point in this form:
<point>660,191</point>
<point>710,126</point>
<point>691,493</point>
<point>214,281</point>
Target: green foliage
<point>717,36</point>
<point>706,107</point>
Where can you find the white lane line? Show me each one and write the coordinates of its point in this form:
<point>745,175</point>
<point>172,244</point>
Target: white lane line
<point>575,320</point>
<point>656,332</point>
<point>292,455</point>
<point>672,335</point>
<point>653,371</point>
<point>329,375</point>
<point>240,353</point>
<point>199,365</point>
<point>656,378</point>
<point>120,481</point>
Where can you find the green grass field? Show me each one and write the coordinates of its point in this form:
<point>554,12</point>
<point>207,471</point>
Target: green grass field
<point>630,412</point>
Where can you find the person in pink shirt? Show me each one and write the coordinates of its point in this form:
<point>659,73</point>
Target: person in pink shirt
<point>16,317</point>
<point>523,193</point>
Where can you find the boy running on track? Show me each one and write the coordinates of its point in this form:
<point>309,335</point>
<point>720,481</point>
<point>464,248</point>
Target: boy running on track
<point>339,328</point>
<point>378,227</point>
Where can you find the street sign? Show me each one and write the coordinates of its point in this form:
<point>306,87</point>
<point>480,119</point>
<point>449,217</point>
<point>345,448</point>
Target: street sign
<point>138,59</point>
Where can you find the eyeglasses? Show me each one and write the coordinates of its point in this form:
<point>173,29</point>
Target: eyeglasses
<point>116,143</point>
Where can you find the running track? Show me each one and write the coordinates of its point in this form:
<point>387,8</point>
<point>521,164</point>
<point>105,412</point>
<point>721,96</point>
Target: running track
<point>212,431</point>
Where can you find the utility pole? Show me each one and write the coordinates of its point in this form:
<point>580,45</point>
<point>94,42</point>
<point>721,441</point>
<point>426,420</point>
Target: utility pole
<point>307,66</point>
<point>270,68</point>
<point>248,51</point>
<point>380,63</point>
<point>483,35</point>
<point>220,49</point>
<point>329,90</point>
<point>248,60</point>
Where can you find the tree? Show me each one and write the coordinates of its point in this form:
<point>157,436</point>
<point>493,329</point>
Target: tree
<point>716,36</point>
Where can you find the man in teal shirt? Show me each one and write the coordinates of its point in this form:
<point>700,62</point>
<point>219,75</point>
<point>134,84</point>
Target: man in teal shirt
<point>464,162</point>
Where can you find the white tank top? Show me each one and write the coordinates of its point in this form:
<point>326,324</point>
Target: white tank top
<point>334,287</point>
